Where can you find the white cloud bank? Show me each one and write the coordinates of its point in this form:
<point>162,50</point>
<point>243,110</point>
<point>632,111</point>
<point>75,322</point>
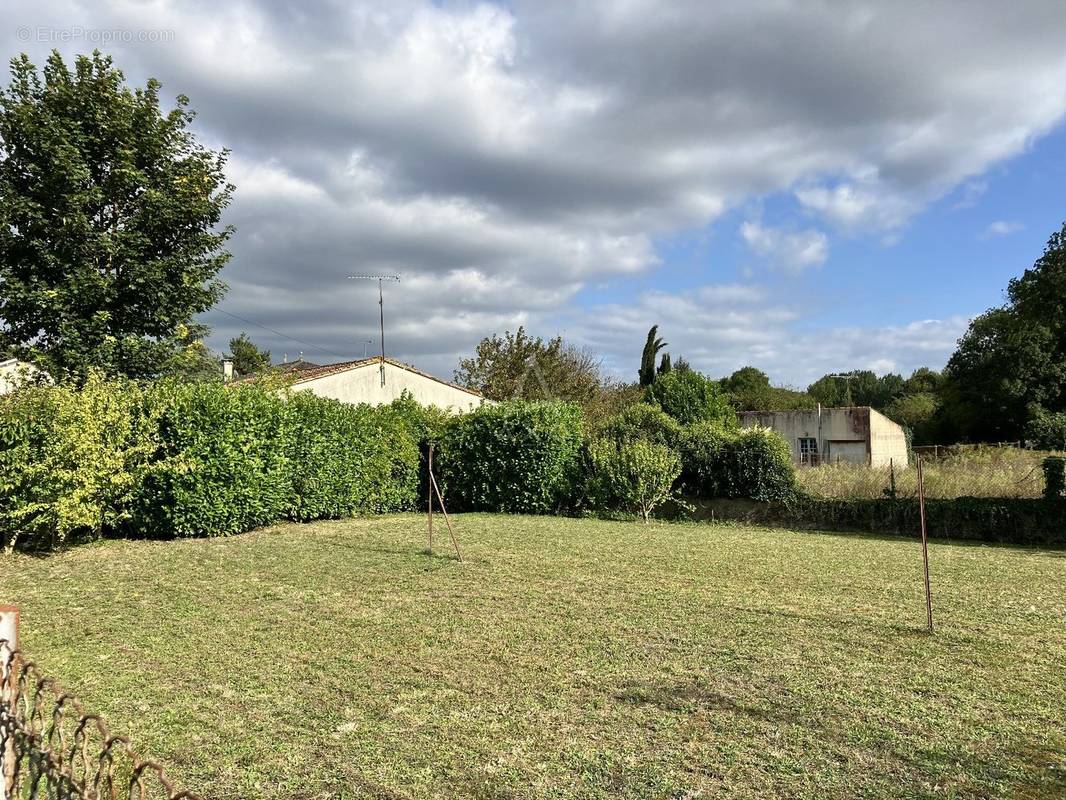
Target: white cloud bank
<point>503,157</point>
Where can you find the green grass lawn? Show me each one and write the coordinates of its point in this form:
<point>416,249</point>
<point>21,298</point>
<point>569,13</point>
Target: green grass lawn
<point>566,658</point>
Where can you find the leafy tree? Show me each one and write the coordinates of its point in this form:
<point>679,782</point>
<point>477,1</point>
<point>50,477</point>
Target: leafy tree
<point>192,361</point>
<point>108,220</point>
<point>637,476</point>
<point>518,365</point>
<point>924,381</point>
<point>689,397</point>
<point>918,412</point>
<point>647,359</point>
<point>1009,370</point>
<point>748,389</point>
<point>860,387</point>
<point>247,358</point>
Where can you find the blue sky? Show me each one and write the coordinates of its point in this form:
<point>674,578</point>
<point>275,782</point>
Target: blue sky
<point>805,187</point>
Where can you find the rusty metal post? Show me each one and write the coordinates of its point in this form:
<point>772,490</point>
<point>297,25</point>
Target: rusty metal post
<point>447,521</point>
<point>429,494</point>
<point>9,634</point>
<point>925,545</point>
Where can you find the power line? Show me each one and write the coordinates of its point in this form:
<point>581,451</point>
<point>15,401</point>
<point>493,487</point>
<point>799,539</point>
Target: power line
<point>282,335</point>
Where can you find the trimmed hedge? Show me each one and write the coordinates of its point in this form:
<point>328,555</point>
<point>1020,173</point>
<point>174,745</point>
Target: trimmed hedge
<point>1022,521</point>
<point>192,460</point>
<point>755,463</point>
<point>69,461</point>
<point>219,466</point>
<point>516,457</point>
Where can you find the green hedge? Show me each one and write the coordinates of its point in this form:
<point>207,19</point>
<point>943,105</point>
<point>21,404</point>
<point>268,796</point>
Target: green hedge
<point>219,466</point>
<point>516,457</point>
<point>70,461</point>
<point>193,460</point>
<point>755,463</point>
<point>1024,521</point>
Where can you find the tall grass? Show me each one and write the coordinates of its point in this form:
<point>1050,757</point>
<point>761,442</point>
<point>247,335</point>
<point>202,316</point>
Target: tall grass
<point>980,472</point>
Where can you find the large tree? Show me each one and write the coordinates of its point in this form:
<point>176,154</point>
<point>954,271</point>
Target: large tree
<point>109,220</point>
<point>1009,371</point>
<point>517,365</point>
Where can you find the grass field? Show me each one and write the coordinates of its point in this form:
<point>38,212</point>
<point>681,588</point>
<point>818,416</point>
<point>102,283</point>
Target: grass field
<point>566,658</point>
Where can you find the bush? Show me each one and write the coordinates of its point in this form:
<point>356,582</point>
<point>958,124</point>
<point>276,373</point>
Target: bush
<point>1046,430</point>
<point>346,459</point>
<point>690,397</point>
<point>517,457</point>
<point>635,477</point>
<point>755,463</point>
<point>642,422</point>
<point>219,465</point>
<point>69,461</point>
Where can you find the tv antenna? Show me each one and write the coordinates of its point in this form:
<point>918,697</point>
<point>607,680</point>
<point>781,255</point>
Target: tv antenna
<point>381,305</point>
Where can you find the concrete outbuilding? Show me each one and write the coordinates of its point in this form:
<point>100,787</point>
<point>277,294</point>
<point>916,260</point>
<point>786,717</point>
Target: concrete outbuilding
<point>371,381</point>
<point>855,434</point>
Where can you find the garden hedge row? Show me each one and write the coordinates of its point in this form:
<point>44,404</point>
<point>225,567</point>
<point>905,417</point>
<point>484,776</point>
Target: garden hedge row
<point>192,460</point>
<point>180,460</point>
<point>1024,521</point>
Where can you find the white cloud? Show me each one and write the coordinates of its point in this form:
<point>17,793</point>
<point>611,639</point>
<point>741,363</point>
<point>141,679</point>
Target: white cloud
<point>795,250</point>
<point>505,156</point>
<point>1002,227</point>
<point>722,328</point>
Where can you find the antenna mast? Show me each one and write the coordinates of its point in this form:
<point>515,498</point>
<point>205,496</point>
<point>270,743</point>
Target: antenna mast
<point>381,306</point>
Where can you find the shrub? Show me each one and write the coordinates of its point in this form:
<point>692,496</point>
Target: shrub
<point>219,465</point>
<point>69,461</point>
<point>755,463</point>
<point>642,422</point>
<point>690,397</point>
<point>636,476</point>
<point>518,457</point>
<point>346,459</point>
<point>1046,430</point>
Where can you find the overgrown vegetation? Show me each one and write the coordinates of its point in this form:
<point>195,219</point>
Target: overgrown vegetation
<point>978,472</point>
<point>635,476</point>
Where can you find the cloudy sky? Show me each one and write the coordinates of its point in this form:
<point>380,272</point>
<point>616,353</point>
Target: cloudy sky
<point>803,186</point>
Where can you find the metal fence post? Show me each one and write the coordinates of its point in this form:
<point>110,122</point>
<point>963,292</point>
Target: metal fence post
<point>9,636</point>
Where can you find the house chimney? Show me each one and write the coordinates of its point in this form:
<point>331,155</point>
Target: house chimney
<point>227,370</point>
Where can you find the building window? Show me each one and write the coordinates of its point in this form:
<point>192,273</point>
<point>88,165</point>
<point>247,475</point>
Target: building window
<point>808,452</point>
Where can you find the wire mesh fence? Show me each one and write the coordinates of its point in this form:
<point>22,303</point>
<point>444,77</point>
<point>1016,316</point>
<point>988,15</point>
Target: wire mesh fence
<point>999,472</point>
<point>51,747</point>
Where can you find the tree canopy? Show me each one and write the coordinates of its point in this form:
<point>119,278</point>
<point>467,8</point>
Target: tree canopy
<point>109,214</point>
<point>1009,371</point>
<point>247,358</point>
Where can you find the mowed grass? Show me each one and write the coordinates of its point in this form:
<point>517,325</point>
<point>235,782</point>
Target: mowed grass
<point>566,658</point>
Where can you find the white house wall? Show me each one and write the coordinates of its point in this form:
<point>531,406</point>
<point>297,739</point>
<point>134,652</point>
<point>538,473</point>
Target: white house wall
<point>362,384</point>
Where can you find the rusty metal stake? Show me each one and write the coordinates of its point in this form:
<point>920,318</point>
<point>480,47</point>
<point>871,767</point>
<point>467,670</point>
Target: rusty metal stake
<point>429,495</point>
<point>925,545</point>
<point>447,521</point>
